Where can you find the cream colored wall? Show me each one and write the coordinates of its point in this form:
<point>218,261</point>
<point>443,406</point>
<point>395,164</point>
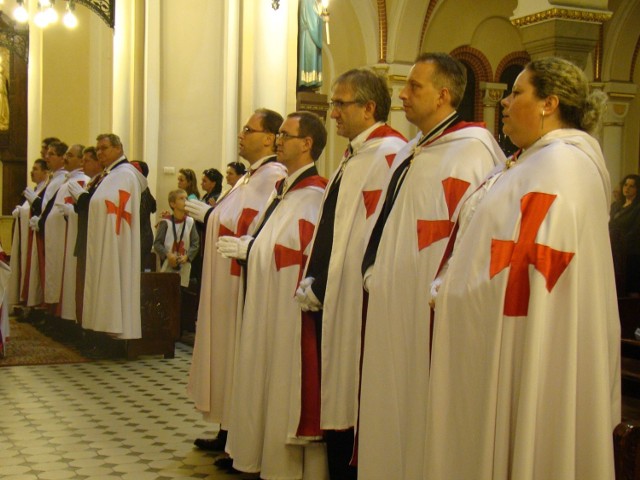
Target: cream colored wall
<point>191,90</point>
<point>66,98</point>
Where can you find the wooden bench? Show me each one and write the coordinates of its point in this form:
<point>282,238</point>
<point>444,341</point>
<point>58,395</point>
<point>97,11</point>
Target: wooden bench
<point>160,308</point>
<point>629,309</point>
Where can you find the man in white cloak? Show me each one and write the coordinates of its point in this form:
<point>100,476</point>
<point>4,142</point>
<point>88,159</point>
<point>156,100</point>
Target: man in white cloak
<point>112,282</point>
<point>41,208</point>
<point>266,433</point>
<point>442,165</point>
<point>211,374</point>
<point>20,244</point>
<point>61,278</point>
<point>332,286</point>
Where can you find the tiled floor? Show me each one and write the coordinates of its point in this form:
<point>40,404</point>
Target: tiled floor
<point>104,420</point>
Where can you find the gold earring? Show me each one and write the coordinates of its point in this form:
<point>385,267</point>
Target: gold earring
<point>542,124</point>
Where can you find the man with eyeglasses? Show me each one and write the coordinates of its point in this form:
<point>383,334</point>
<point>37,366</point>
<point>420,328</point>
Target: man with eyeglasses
<point>332,284</point>
<point>235,214</point>
<point>111,300</point>
<point>439,168</point>
<point>273,358</point>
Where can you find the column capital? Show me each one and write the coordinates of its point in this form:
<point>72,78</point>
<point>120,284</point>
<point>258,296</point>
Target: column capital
<point>551,29</point>
<point>620,94</point>
<point>492,93</point>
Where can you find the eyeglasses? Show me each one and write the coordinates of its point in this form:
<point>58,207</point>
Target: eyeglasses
<point>284,136</point>
<point>246,130</point>
<point>339,104</point>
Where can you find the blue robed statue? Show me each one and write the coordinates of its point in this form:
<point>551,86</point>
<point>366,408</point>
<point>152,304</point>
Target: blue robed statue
<point>310,44</point>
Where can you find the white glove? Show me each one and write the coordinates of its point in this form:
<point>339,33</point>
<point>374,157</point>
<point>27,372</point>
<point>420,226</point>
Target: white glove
<point>75,189</point>
<point>305,297</point>
<point>366,279</point>
<point>33,224</point>
<point>197,210</point>
<point>16,212</point>
<point>233,247</point>
<point>435,288</point>
<point>65,208</point>
<point>30,195</point>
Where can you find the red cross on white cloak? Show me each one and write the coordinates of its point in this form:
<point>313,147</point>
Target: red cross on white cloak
<point>430,231</point>
<point>519,255</point>
<point>244,222</point>
<point>119,210</point>
<point>372,197</point>
<point>287,257</point>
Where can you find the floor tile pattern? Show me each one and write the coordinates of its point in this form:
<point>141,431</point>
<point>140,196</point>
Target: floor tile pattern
<point>112,419</point>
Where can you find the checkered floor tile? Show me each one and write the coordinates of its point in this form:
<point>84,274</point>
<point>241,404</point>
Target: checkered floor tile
<point>104,420</point>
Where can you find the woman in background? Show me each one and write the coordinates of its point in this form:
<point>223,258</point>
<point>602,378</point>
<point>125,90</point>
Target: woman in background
<point>187,181</point>
<point>624,229</point>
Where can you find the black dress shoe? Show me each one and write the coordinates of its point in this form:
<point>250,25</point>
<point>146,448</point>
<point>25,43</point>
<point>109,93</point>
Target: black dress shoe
<point>210,444</point>
<point>225,463</point>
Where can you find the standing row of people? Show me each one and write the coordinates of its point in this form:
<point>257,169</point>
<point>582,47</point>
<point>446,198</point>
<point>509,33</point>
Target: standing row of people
<point>516,372</point>
<point>80,256</point>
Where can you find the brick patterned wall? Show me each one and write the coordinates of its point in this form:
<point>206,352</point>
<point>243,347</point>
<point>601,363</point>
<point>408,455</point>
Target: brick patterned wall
<point>480,65</point>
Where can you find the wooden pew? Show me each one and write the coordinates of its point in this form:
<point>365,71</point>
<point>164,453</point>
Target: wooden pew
<point>160,305</point>
<point>626,440</point>
<point>629,309</point>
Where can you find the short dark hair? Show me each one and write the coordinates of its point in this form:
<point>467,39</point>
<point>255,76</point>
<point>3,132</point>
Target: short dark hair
<point>114,139</point>
<point>311,126</point>
<point>238,167</point>
<point>91,151</point>
<point>215,176</point>
<point>449,73</point>
<point>368,86</point>
<point>49,140</point>
<point>43,165</point>
<point>271,122</point>
<point>59,147</point>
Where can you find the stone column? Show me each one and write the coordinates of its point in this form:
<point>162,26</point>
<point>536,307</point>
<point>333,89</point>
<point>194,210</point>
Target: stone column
<point>559,28</point>
<point>611,137</point>
<point>491,95</point>
<point>128,76</point>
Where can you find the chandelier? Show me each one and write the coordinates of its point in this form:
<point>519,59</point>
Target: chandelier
<point>47,14</point>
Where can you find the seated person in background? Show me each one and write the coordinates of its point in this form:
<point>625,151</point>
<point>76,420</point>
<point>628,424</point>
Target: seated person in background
<point>187,182</point>
<point>177,241</point>
<point>212,185</point>
<point>624,230</point>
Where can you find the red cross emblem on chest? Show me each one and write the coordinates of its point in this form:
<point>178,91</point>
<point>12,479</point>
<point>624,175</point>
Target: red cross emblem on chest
<point>372,197</point>
<point>244,222</point>
<point>519,255</point>
<point>119,210</point>
<point>430,231</point>
<point>287,257</point>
